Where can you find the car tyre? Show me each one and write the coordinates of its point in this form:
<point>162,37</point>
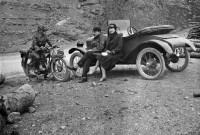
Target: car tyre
<point>155,59</point>
<point>174,67</point>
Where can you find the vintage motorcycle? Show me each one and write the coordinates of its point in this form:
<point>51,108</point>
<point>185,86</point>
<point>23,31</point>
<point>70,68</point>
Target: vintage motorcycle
<point>52,62</point>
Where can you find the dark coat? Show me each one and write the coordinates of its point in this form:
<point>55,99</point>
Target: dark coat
<point>97,43</point>
<point>114,44</point>
<point>40,40</point>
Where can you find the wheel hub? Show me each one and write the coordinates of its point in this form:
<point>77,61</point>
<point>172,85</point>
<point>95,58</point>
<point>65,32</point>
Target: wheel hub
<point>60,68</point>
<point>173,58</point>
<point>151,64</point>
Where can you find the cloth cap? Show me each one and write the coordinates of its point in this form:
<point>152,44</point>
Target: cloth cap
<point>96,29</point>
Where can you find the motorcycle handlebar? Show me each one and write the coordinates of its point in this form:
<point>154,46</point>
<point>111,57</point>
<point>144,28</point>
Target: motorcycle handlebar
<point>46,48</point>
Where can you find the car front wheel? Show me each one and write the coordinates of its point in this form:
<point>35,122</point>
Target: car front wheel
<point>150,63</point>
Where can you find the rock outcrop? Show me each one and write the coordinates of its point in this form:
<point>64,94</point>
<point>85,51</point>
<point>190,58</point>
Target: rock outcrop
<point>20,18</point>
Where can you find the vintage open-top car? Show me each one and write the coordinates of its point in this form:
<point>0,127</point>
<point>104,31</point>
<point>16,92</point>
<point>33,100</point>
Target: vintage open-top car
<point>151,49</point>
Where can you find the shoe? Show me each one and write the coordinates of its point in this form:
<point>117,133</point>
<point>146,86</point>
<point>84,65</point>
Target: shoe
<point>83,79</point>
<point>103,79</point>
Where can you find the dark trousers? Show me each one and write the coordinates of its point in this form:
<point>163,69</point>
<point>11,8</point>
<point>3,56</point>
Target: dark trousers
<point>37,55</point>
<point>86,62</point>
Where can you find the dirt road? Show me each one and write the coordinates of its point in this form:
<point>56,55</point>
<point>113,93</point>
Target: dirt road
<point>125,104</point>
<point>10,64</point>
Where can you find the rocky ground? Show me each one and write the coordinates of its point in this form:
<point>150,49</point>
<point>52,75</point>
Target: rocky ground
<point>125,104</point>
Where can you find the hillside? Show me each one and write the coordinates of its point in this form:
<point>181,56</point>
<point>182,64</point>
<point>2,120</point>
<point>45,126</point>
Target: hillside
<point>72,20</point>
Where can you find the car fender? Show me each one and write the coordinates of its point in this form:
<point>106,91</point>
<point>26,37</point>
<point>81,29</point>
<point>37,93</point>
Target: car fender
<point>162,44</point>
<point>181,42</point>
<point>80,49</point>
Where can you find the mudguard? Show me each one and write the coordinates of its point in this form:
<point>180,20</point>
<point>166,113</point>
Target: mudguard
<point>162,44</point>
<point>80,49</point>
<point>180,42</point>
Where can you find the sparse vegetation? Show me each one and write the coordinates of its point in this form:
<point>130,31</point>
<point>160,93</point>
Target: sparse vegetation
<point>19,19</point>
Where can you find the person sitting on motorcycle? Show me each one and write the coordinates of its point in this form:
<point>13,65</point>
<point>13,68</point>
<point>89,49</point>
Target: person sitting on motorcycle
<point>96,45</point>
<point>38,45</point>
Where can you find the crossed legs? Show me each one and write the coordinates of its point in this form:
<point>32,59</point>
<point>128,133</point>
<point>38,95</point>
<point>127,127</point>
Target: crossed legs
<point>103,78</point>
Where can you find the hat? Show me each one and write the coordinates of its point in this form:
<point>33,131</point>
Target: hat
<point>112,25</point>
<point>96,29</point>
<point>42,28</point>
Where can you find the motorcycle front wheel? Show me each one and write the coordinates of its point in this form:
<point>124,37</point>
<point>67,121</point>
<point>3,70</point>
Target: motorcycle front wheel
<point>60,71</point>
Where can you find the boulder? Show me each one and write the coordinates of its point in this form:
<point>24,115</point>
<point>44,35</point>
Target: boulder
<point>31,110</point>
<point>18,101</point>
<point>13,117</point>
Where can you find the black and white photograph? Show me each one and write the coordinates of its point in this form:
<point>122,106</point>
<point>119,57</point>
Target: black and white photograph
<point>99,67</point>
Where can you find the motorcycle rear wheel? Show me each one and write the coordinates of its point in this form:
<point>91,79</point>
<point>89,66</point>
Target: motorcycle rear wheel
<point>24,66</point>
<point>60,71</point>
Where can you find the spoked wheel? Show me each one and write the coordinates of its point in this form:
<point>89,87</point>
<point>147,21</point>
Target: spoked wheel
<point>150,63</point>
<point>59,70</point>
<point>178,61</point>
<point>74,59</point>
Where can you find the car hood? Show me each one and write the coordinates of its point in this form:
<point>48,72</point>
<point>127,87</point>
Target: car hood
<point>166,36</point>
<point>155,30</point>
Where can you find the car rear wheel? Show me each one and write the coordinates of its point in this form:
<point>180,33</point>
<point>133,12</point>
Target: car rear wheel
<point>74,59</point>
<point>150,63</point>
<point>178,61</point>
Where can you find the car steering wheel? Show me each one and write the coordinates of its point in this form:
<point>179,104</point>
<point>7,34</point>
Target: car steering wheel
<point>131,30</point>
